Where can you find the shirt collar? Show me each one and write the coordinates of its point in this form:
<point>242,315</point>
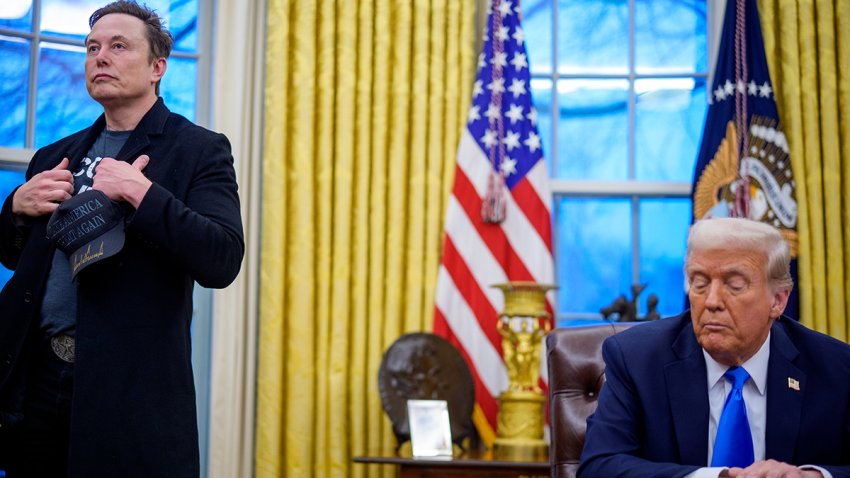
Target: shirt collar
<point>756,366</point>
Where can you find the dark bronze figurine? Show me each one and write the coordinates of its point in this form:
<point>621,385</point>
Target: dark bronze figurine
<point>626,310</point>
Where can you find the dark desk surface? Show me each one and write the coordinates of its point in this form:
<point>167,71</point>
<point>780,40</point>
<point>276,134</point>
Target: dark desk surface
<point>465,465</point>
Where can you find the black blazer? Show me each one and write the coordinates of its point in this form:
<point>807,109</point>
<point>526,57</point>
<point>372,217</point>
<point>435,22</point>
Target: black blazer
<point>133,411</point>
<point>652,419</point>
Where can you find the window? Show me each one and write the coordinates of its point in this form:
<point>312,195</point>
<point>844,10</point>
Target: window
<point>619,86</point>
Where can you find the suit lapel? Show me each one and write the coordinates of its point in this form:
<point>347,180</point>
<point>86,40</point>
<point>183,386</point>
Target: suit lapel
<point>152,123</point>
<point>689,404</point>
<point>784,401</point>
<point>135,144</point>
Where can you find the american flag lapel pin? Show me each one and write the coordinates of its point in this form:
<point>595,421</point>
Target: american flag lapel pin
<point>793,384</point>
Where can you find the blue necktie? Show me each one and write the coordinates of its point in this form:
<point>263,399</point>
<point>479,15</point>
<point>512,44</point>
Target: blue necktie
<point>733,445</point>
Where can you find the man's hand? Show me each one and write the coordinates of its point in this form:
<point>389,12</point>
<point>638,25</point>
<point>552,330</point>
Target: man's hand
<point>43,192</point>
<point>121,181</point>
<point>771,469</point>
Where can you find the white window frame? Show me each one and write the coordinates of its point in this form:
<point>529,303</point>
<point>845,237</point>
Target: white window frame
<point>631,189</point>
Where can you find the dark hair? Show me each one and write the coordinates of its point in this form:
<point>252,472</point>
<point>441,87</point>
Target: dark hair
<point>159,38</point>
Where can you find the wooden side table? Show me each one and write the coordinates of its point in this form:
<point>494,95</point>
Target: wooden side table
<point>468,465</point>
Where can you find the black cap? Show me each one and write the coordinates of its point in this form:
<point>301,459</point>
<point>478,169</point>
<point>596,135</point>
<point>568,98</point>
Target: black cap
<point>88,228</point>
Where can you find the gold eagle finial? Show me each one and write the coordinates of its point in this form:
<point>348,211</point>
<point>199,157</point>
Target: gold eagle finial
<point>719,173</point>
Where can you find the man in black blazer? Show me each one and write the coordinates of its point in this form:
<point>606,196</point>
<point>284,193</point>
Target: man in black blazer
<point>660,408</point>
<point>95,361</point>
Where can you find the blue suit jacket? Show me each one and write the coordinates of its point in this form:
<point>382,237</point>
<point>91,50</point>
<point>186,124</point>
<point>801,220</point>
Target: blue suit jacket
<point>652,416</point>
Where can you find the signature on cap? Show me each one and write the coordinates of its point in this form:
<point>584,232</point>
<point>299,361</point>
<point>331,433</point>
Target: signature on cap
<point>87,257</point>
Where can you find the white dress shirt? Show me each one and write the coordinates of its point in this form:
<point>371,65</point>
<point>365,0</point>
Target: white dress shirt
<point>755,398</point>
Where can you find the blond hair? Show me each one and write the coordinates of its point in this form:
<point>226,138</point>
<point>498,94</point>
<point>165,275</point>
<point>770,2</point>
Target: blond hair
<point>739,233</point>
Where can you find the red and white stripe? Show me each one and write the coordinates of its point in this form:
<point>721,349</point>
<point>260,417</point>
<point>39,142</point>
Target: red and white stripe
<point>477,255</point>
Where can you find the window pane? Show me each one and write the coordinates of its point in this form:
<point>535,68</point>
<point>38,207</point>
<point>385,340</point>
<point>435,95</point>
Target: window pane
<point>182,21</point>
<point>594,246</point>
<point>68,18</point>
<point>63,105</point>
<point>14,88</point>
<point>16,14</point>
<point>670,36</point>
<point>541,94</point>
<point>593,129</point>
<point>537,30</point>
<point>178,86</point>
<point>593,36</point>
<point>663,237</point>
<point>9,180</point>
<point>669,115</point>
<point>180,18</point>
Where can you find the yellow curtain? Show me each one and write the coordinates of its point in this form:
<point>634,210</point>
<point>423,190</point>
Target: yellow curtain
<point>364,104</point>
<point>808,52</point>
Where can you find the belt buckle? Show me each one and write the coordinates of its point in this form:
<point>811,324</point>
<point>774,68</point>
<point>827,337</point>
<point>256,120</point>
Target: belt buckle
<point>63,347</point>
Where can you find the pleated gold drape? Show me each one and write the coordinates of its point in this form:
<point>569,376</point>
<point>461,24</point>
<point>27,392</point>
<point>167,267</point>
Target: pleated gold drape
<point>808,52</point>
<point>365,101</point>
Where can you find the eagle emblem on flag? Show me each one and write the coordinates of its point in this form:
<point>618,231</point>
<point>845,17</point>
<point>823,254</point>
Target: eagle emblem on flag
<point>771,192</point>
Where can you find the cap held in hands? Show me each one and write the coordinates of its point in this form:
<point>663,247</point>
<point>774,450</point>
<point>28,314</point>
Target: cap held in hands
<point>88,228</point>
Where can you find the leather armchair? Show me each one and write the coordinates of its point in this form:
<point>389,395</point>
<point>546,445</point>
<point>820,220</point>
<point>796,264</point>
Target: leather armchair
<point>576,374</point>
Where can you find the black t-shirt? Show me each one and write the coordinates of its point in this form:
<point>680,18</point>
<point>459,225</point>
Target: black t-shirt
<point>59,303</point>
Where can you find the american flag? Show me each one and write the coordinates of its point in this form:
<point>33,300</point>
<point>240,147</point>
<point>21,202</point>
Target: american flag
<point>498,223</point>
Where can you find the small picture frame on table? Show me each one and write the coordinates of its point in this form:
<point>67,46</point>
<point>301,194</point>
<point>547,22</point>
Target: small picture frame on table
<point>430,429</point>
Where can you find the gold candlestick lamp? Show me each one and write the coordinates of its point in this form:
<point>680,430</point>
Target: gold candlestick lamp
<point>522,326</point>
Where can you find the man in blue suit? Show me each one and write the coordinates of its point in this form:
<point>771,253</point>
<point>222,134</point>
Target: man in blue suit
<point>666,396</point>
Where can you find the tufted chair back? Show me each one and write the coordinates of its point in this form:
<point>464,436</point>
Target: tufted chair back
<point>576,373</point>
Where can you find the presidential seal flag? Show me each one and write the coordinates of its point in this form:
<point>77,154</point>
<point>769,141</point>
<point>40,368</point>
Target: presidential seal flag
<point>743,168</point>
<point>498,224</point>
